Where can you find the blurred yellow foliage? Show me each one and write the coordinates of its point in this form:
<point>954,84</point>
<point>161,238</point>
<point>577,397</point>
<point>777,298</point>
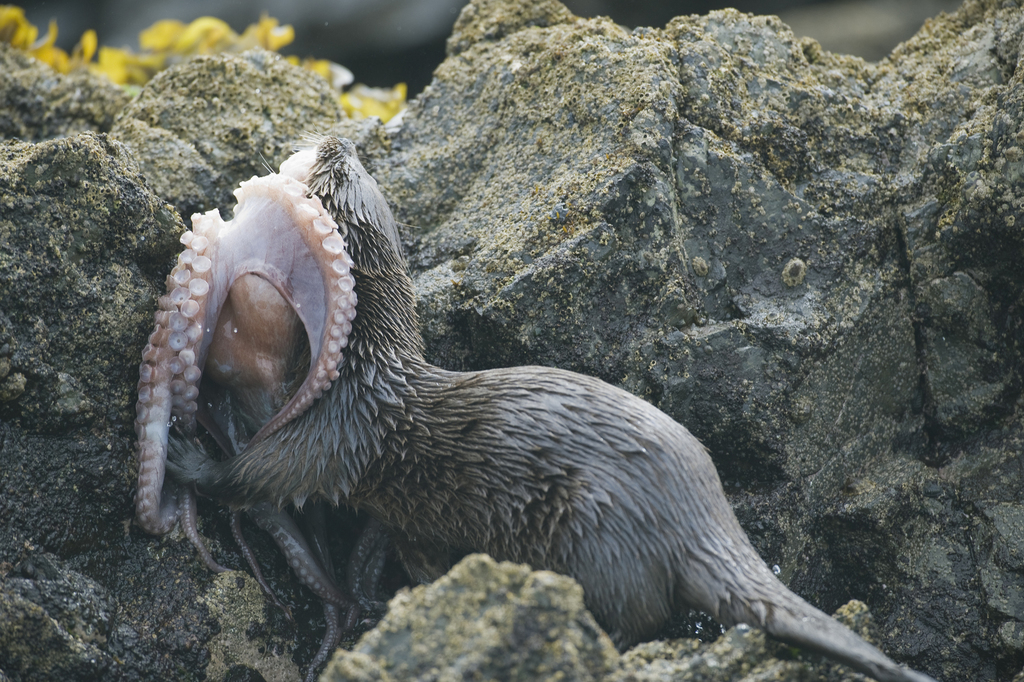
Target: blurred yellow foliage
<point>16,30</point>
<point>170,41</point>
<point>362,101</point>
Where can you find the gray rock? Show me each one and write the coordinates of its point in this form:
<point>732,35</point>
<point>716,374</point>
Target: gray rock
<point>629,204</point>
<point>54,623</point>
<point>490,620</point>
<point>248,645</point>
<point>483,620</point>
<point>200,128</point>
<point>810,261</point>
<point>37,103</point>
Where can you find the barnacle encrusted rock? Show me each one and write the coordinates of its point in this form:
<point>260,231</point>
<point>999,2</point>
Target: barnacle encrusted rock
<point>81,241</point>
<point>37,103</point>
<point>483,620</point>
<point>201,127</point>
<point>568,182</point>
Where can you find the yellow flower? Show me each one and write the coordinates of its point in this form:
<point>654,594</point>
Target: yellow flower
<point>45,51</point>
<point>124,67</point>
<point>161,36</point>
<point>205,35</point>
<point>85,49</point>
<point>168,40</point>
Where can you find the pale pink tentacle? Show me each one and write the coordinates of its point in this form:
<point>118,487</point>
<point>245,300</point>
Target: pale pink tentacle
<point>188,524</point>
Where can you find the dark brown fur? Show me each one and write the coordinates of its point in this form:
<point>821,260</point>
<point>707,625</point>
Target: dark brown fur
<point>531,464</point>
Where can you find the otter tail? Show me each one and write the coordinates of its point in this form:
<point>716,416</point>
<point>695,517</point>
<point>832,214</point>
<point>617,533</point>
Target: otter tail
<point>770,605</point>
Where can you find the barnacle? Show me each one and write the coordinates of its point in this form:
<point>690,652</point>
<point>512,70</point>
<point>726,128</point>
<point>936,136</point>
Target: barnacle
<point>169,42</point>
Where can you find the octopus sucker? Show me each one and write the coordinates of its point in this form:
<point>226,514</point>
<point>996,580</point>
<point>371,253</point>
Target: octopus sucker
<point>241,297</point>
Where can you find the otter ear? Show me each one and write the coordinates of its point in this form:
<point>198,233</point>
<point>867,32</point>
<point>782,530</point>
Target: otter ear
<point>279,234</point>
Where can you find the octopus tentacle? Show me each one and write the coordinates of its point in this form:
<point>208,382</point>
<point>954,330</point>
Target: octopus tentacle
<point>236,302</point>
<point>257,572</point>
<point>279,234</point>
<point>290,540</point>
<point>332,636</point>
<point>305,561</point>
<point>188,524</point>
<point>365,567</point>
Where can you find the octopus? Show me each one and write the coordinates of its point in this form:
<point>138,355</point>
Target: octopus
<point>250,333</point>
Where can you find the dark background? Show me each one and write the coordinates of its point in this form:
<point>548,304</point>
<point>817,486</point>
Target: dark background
<point>387,41</point>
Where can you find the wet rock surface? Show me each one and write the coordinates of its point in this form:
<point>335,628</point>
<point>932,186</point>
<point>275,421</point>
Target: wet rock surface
<point>490,620</point>
<point>810,261</point>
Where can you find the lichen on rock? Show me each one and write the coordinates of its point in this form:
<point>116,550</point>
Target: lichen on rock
<point>37,103</point>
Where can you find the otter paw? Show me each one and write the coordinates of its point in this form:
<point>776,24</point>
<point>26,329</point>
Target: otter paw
<point>186,459</point>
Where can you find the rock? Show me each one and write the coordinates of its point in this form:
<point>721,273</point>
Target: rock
<point>811,261</point>
<point>36,103</point>
<point>246,643</point>
<point>83,246</point>
<point>54,623</point>
<point>483,620</point>
<point>83,242</point>
<point>200,128</point>
<point>490,620</point>
<point>630,205</point>
<point>740,653</point>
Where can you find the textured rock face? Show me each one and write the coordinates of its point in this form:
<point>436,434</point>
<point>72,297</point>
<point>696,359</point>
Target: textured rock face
<point>82,243</point>
<point>811,262</point>
<point>39,104</point>
<point>486,621</point>
<point>200,129</point>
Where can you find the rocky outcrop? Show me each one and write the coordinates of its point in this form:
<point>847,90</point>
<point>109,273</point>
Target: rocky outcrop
<point>200,129</point>
<point>810,261</point>
<point>40,104</point>
<point>483,620</point>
